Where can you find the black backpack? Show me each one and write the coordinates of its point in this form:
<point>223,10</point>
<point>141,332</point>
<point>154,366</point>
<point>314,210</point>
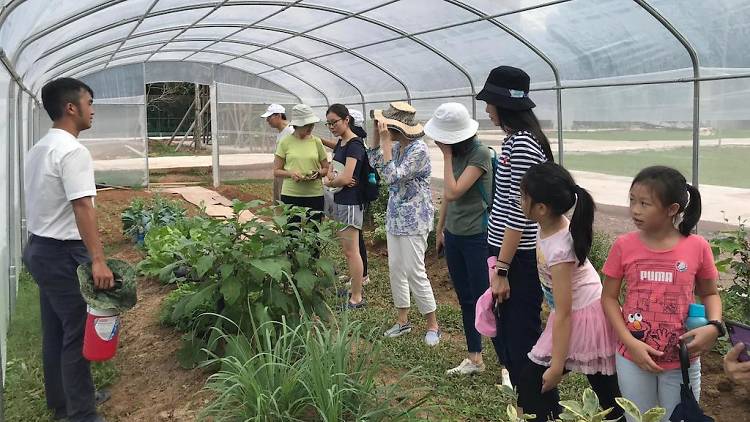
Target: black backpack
<point>368,191</point>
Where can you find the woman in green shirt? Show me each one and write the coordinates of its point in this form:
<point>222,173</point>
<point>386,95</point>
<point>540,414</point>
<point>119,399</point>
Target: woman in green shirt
<point>302,162</point>
<point>462,223</point>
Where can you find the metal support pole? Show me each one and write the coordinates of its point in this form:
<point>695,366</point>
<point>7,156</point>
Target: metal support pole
<point>144,121</point>
<point>560,148</point>
<point>214,135</point>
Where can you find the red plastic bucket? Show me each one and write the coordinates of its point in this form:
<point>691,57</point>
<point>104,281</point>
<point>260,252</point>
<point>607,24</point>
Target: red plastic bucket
<point>102,335</point>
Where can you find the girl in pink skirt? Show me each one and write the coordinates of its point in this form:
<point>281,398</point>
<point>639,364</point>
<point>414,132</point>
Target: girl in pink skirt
<point>578,336</point>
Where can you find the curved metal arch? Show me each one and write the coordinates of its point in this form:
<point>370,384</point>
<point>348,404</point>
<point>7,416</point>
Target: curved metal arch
<point>121,41</point>
<point>235,56</point>
<point>346,15</point>
<point>311,85</point>
<point>215,8</point>
<point>378,23</point>
<point>539,53</point>
<point>132,31</point>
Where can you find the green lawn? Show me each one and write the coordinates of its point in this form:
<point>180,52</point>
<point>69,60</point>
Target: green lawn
<point>646,134</point>
<point>718,165</point>
<point>24,383</point>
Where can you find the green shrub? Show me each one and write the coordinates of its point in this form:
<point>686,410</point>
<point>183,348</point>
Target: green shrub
<point>315,370</point>
<point>142,216</point>
<point>600,247</point>
<point>268,268</point>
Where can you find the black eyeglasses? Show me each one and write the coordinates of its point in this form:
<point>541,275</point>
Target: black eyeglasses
<point>329,124</point>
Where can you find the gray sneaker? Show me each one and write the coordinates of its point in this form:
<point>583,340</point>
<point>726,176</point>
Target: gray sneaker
<point>398,330</point>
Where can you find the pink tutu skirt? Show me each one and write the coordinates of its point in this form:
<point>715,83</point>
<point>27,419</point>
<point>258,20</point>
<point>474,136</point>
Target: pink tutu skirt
<point>593,342</point>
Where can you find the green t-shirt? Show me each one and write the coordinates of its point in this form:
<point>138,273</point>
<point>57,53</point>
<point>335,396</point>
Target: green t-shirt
<point>303,156</point>
<point>467,215</point>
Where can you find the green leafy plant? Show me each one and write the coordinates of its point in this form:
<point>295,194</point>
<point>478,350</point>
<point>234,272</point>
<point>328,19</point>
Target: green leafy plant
<point>141,216</point>
<point>731,251</point>
<point>269,268</point>
<point>652,415</point>
<point>379,232</point>
<point>315,370</point>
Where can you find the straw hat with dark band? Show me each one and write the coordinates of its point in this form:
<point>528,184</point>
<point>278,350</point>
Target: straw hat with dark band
<point>400,116</point>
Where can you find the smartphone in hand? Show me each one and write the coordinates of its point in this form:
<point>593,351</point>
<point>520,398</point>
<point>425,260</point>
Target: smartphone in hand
<point>739,333</point>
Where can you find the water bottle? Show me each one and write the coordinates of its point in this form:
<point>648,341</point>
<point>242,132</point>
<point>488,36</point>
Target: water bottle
<point>371,178</point>
<point>696,317</point>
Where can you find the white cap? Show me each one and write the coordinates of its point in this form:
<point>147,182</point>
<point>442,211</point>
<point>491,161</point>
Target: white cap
<point>273,109</point>
<point>451,124</point>
<point>359,119</point>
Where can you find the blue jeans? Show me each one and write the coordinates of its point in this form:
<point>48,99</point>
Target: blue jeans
<point>520,323</point>
<point>466,257</point>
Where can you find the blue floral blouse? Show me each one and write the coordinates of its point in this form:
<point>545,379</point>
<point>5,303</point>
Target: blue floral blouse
<point>410,207</point>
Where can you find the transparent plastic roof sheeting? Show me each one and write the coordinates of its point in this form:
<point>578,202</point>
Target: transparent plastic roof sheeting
<point>117,139</point>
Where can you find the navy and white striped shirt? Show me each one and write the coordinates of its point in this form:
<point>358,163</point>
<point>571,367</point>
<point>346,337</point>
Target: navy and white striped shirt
<point>519,152</point>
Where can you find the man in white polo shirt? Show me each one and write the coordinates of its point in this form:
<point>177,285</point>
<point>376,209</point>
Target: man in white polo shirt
<point>275,116</point>
<point>60,191</point>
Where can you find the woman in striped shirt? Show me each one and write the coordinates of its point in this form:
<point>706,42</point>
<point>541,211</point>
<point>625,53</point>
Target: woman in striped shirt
<point>511,237</point>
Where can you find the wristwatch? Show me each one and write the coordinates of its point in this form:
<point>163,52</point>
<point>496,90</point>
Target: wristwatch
<point>719,326</point>
<point>502,272</point>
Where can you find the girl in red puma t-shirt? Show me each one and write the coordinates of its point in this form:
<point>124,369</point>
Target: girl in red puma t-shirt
<point>664,267</point>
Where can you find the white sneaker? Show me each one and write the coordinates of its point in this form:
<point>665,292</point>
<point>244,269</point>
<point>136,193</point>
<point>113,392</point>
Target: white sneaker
<point>466,367</point>
<point>505,376</point>
<point>432,338</point>
<point>398,330</point>
<point>365,281</point>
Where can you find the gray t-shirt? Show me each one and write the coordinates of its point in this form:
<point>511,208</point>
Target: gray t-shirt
<point>467,215</point>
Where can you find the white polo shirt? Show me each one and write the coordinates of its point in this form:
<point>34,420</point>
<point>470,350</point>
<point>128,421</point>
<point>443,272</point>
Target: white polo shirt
<point>58,169</point>
<point>284,132</point>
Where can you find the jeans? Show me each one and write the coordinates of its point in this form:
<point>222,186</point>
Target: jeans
<point>648,390</point>
<point>519,324</point>
<point>68,385</point>
<point>466,257</point>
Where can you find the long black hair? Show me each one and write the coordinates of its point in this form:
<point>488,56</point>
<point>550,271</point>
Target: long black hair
<point>343,112</point>
<point>463,147</point>
<point>670,187</point>
<point>550,184</point>
<point>516,120</point>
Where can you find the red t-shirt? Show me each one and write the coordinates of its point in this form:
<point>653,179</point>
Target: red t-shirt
<point>660,288</point>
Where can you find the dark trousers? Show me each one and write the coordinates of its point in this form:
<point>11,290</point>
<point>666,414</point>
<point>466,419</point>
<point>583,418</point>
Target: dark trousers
<point>314,203</point>
<point>363,253</point>
<point>547,407</point>
<point>519,324</point>
<point>68,385</point>
<point>466,257</point>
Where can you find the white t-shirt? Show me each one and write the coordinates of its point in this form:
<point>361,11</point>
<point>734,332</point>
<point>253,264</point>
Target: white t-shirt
<point>284,132</point>
<point>58,170</point>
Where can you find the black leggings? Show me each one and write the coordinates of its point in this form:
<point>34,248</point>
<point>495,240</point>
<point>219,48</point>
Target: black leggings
<point>363,252</point>
<point>547,405</point>
<point>314,207</point>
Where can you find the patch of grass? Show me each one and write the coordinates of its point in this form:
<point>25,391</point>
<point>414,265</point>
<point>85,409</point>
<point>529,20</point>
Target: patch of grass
<point>718,165</point>
<point>24,383</point>
<point>159,148</point>
<point>458,398</point>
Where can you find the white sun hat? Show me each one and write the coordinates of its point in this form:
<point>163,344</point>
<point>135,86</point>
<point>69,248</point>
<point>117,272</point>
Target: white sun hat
<point>451,124</point>
<point>273,109</point>
<point>359,119</point>
<point>302,115</point>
